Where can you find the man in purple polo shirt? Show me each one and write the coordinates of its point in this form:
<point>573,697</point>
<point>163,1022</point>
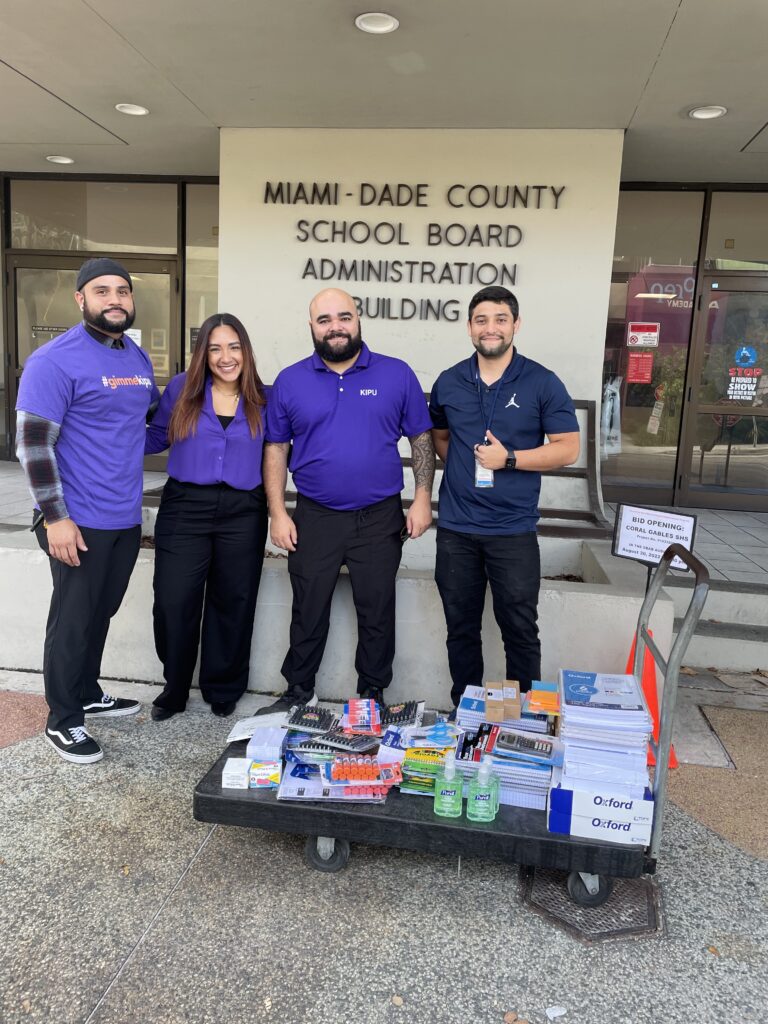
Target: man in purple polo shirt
<point>81,420</point>
<point>344,409</point>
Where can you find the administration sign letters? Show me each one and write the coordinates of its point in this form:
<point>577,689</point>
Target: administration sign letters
<point>644,534</point>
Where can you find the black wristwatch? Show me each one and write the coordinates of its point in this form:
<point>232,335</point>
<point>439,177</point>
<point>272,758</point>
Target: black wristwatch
<point>511,462</point>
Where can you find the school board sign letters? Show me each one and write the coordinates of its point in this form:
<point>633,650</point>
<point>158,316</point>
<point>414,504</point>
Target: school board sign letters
<point>644,534</point>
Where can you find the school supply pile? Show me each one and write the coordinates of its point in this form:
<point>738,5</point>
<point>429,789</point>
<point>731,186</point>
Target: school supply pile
<point>523,781</point>
<point>472,712</point>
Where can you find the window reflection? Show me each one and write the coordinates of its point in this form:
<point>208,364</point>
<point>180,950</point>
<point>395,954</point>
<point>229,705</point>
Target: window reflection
<point>94,216</point>
<point>647,337</point>
<point>730,453</point>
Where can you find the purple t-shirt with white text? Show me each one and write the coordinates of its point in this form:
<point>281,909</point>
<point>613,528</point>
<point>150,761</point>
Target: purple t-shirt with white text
<point>100,397</point>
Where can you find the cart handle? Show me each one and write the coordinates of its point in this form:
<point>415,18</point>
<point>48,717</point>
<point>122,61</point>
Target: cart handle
<point>670,668</point>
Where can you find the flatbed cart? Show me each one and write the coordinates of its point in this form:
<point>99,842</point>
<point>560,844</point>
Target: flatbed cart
<point>517,835</point>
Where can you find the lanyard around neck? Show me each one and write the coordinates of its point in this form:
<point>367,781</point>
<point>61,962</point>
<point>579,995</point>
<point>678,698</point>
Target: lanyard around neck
<point>501,382</point>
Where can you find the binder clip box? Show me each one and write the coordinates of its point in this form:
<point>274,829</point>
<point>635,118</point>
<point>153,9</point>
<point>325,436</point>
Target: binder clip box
<point>234,775</point>
<point>511,699</point>
<point>494,702</point>
<point>592,814</point>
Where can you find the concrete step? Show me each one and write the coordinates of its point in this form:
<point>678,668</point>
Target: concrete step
<point>727,646</point>
<point>727,601</point>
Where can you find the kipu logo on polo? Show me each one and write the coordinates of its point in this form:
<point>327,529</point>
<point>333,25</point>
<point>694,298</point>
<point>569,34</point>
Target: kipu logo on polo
<point>512,402</point>
<point>369,391</point>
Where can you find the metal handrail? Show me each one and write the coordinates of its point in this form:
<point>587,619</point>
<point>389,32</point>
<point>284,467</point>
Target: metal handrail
<point>670,668</point>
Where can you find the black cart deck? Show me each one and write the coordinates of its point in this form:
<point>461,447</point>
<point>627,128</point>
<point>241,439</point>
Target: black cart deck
<point>518,835</point>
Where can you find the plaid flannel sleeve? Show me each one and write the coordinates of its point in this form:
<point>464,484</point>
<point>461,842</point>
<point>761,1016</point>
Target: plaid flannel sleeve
<point>35,443</point>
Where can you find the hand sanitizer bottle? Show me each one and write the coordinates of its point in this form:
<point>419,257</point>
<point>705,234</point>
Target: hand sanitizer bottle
<point>483,798</point>
<point>448,791</point>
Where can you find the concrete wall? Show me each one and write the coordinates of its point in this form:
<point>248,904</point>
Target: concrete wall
<point>582,627</point>
<point>560,246</point>
<point>563,260</point>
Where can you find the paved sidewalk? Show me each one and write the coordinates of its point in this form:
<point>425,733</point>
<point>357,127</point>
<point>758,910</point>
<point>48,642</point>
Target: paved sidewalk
<point>116,907</point>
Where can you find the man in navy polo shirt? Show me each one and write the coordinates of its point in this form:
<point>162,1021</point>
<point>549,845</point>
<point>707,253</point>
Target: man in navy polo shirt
<point>344,409</point>
<point>81,422</point>
<point>491,414</point>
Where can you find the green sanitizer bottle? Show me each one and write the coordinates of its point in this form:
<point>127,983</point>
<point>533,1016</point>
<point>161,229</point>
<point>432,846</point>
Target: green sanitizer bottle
<point>448,791</point>
<point>483,798</point>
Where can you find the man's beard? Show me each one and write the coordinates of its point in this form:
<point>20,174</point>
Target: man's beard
<point>101,323</point>
<point>330,354</point>
<point>501,349</point>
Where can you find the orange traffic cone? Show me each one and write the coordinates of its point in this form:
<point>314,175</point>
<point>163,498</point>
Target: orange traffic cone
<point>648,681</point>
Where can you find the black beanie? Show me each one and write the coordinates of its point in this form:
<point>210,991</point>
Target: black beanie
<point>100,267</point>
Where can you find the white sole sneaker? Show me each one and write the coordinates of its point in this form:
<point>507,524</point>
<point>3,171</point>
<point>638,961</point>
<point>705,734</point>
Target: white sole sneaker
<point>99,710</point>
<point>73,757</point>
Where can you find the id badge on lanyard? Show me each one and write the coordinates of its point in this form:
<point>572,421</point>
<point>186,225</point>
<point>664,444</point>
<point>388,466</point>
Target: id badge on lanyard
<point>483,476</point>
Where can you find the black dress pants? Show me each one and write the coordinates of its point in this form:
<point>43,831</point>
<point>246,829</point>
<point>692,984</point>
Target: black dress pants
<point>85,597</point>
<point>367,541</point>
<point>465,564</point>
<point>209,551</point>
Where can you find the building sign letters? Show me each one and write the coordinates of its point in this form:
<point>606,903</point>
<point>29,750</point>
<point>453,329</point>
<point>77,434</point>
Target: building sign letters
<point>486,253</point>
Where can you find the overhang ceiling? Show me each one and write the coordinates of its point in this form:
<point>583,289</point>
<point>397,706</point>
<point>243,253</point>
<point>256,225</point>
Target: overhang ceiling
<point>198,66</point>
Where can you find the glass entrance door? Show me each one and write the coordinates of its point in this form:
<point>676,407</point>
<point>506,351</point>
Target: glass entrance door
<point>42,306</point>
<point>724,451</point>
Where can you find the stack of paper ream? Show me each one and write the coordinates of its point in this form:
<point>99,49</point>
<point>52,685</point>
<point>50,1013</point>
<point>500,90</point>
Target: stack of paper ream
<point>603,788</point>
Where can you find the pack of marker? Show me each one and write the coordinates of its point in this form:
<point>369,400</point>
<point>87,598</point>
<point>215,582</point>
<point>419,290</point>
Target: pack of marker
<point>361,717</point>
<point>315,720</point>
<point>308,752</point>
<point>338,740</point>
<point>409,713</point>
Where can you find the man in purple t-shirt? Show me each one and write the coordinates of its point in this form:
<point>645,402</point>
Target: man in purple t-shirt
<point>82,409</point>
<point>343,410</point>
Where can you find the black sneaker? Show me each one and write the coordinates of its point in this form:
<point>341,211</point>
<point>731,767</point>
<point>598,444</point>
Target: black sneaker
<point>290,699</point>
<point>75,745</point>
<point>452,715</point>
<point>111,707</point>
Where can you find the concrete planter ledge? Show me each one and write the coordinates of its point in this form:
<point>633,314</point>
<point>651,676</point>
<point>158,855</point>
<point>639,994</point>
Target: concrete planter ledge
<point>583,626</point>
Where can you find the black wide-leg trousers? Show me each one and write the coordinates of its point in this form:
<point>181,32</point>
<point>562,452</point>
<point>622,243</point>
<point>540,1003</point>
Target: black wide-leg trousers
<point>209,551</point>
<point>368,542</point>
<point>85,597</point>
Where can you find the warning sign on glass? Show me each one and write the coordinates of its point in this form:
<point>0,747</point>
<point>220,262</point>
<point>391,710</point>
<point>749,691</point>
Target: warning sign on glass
<point>642,335</point>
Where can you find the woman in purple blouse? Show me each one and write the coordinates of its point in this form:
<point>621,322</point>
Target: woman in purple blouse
<point>212,523</point>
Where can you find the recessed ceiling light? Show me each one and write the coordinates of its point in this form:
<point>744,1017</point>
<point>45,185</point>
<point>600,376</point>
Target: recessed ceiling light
<point>131,108</point>
<point>377,23</point>
<point>707,113</point>
<point>59,159</point>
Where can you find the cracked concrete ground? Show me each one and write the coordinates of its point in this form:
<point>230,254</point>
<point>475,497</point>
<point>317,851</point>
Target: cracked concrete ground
<point>117,907</point>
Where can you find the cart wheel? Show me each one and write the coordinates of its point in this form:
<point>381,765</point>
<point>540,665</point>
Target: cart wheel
<point>324,854</point>
<point>580,894</point>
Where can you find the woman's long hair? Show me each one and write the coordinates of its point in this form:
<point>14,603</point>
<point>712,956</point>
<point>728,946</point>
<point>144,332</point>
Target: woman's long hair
<point>189,405</point>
